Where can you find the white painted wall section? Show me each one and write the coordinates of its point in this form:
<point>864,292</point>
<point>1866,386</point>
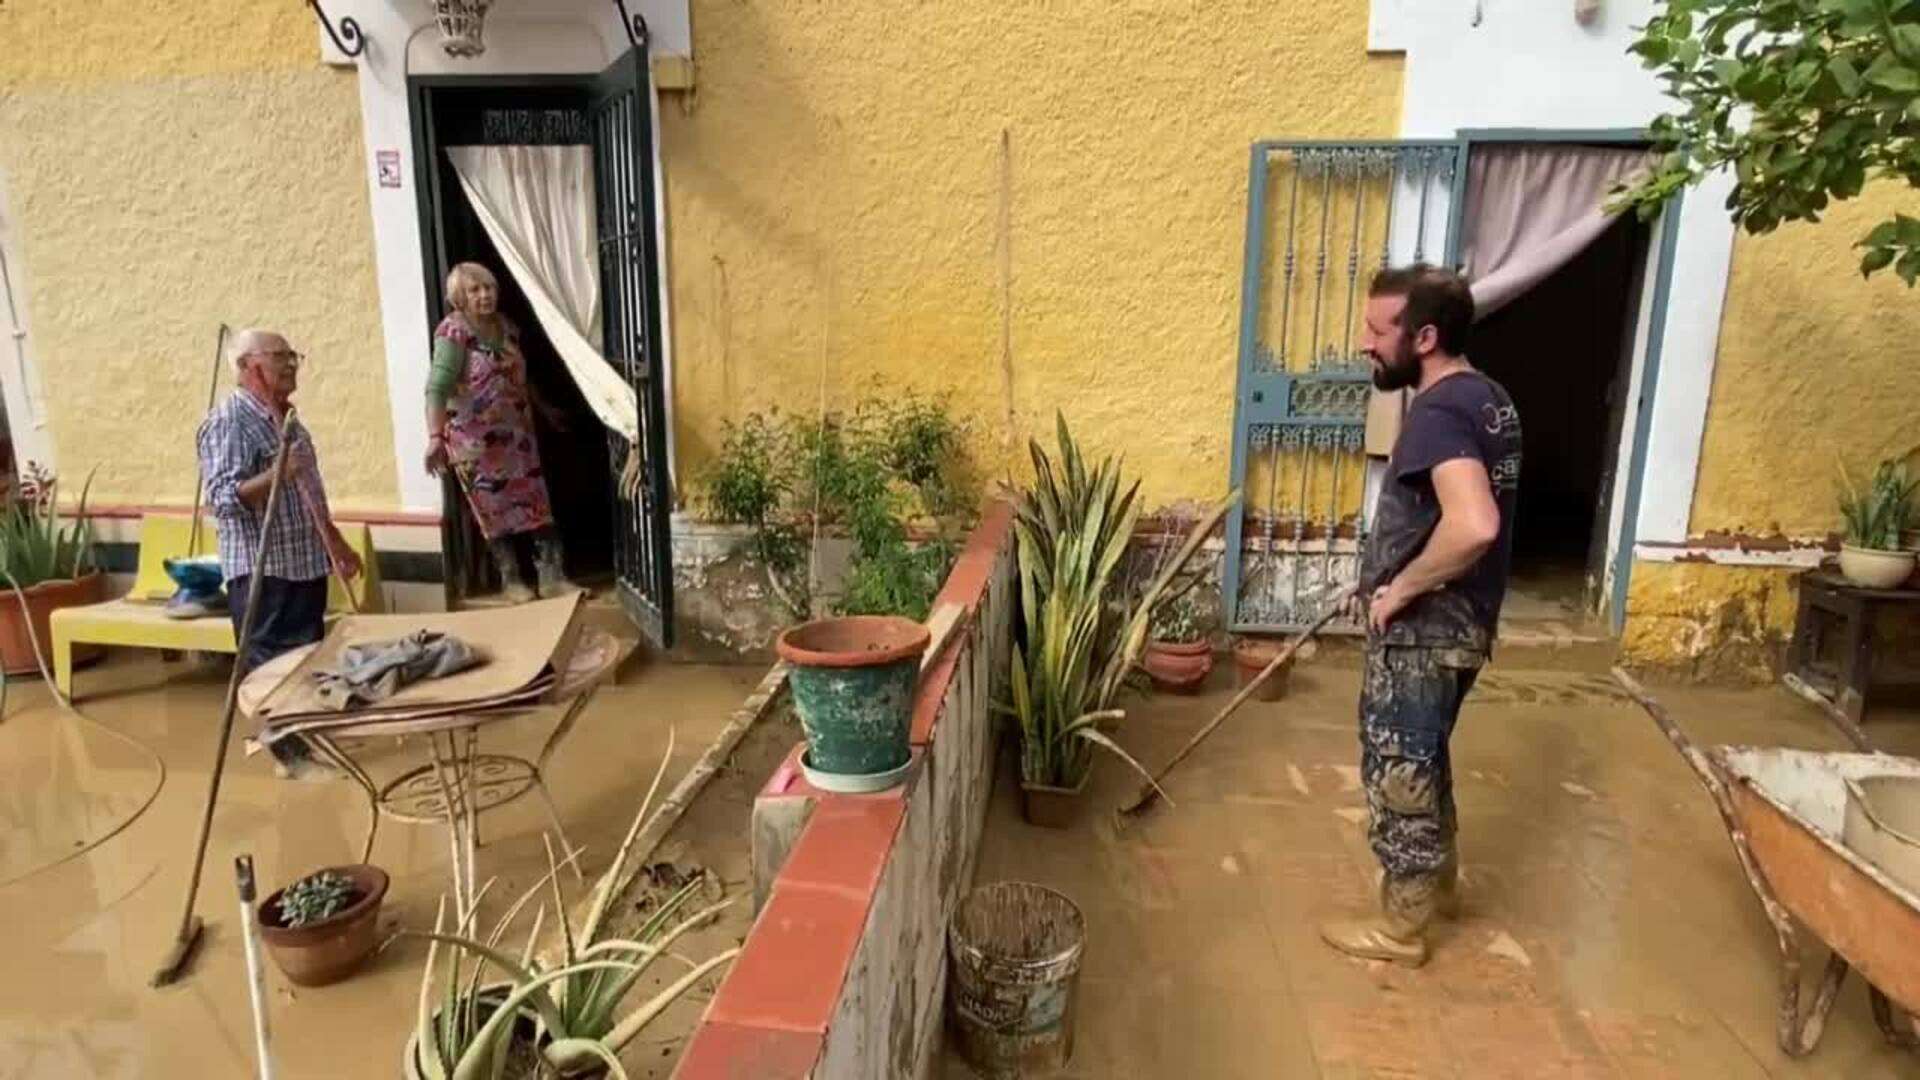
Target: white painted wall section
<point>568,37</point>
<point>1526,64</point>
<point>19,378</point>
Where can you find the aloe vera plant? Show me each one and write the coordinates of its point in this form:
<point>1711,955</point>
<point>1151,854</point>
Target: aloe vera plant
<point>1083,631</point>
<point>33,545</point>
<point>575,1002</point>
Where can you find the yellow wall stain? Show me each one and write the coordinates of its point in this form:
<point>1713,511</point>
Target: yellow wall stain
<point>1708,622</point>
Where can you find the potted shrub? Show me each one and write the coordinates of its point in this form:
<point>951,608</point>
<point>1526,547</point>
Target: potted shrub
<point>1081,631</point>
<point>320,929</point>
<point>1178,656</point>
<point>1251,655</point>
<point>853,679</point>
<point>45,567</point>
<point>1872,554</point>
<point>561,1017</point>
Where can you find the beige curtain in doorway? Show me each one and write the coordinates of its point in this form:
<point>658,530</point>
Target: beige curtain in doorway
<point>536,203</point>
<point>1530,209</point>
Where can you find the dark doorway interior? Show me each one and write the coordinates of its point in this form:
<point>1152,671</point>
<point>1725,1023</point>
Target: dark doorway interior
<point>579,478</point>
<point>1564,352</point>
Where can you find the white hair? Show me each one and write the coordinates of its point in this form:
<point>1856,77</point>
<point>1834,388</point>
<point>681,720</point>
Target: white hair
<point>252,339</point>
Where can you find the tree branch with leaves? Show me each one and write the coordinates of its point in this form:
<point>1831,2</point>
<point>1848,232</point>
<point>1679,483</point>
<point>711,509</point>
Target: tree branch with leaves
<point>1805,101</point>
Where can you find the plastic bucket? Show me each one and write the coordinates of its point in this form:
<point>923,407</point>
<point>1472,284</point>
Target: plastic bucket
<point>1012,993</point>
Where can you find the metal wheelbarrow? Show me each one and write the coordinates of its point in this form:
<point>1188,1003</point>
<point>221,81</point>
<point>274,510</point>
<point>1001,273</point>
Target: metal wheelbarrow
<point>1784,811</point>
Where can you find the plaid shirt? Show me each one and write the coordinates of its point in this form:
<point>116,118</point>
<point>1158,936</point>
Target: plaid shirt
<point>237,442</point>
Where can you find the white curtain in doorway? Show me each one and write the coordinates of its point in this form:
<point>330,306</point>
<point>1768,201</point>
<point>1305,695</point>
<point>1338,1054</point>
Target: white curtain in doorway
<point>1531,208</point>
<point>536,203</point>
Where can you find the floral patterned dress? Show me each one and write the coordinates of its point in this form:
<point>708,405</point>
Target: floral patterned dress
<point>490,440</point>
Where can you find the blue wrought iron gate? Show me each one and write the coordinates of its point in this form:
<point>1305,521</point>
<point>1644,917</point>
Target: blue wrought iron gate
<point>1322,217</point>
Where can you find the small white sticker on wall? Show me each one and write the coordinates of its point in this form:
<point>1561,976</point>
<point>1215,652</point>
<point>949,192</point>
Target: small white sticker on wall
<point>387,166</point>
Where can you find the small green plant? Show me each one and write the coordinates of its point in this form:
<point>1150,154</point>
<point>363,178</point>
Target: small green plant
<point>1177,622</point>
<point>893,460</point>
<point>1876,518</point>
<point>33,545</point>
<point>316,898</point>
<point>1082,628</point>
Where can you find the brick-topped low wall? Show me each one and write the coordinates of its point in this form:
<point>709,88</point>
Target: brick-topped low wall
<point>844,972</point>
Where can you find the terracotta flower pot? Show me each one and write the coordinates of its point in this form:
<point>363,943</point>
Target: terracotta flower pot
<point>1052,807</point>
<point>333,948</point>
<point>16,648</point>
<point>1178,667</point>
<point>1251,657</point>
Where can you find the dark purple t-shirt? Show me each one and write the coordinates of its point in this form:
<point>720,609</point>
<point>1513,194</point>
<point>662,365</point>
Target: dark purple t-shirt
<point>1462,415</point>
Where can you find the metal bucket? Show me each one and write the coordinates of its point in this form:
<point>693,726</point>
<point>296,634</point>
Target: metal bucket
<point>1012,992</point>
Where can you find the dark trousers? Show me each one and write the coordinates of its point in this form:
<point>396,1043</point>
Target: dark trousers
<point>1409,700</point>
<point>292,614</point>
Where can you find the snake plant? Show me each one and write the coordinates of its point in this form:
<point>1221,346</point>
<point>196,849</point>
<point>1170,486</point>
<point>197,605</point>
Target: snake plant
<point>1876,518</point>
<point>574,1002</point>
<point>1082,630</point>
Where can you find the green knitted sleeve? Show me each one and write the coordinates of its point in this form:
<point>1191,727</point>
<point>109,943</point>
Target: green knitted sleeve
<point>449,364</point>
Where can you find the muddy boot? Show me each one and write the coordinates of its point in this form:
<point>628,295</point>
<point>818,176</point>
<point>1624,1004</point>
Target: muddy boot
<point>1446,888</point>
<point>1397,933</point>
<point>547,559</point>
<point>507,561</point>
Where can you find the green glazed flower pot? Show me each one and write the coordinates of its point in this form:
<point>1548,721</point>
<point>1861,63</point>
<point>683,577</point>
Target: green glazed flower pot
<point>853,680</point>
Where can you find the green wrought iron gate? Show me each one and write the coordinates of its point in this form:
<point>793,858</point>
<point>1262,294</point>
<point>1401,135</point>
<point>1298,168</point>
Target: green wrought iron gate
<point>1322,217</point>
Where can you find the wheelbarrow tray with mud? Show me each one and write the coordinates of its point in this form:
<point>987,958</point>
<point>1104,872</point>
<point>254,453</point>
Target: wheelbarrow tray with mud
<point>1784,811</point>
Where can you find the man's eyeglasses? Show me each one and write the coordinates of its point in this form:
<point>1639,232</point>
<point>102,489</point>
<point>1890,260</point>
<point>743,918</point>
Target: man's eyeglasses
<point>282,357</point>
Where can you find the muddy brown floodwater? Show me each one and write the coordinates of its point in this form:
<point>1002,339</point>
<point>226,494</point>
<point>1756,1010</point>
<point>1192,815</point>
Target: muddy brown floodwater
<point>1607,929</point>
<point>80,937</point>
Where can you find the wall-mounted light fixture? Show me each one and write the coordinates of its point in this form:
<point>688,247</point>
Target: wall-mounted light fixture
<point>460,25</point>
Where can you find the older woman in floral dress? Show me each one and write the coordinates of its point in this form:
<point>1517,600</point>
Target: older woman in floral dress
<point>480,421</point>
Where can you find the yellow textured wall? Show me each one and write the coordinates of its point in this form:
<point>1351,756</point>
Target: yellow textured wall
<point>1813,363</point>
<point>835,194</point>
<point>1708,622</point>
<point>170,166</point>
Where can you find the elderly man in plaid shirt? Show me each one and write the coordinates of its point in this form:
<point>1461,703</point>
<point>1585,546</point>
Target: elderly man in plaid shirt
<point>237,445</point>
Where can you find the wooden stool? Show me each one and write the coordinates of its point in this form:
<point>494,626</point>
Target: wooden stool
<point>1828,605</point>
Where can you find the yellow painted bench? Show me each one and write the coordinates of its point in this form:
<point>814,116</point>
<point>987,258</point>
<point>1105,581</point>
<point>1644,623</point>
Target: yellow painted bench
<point>139,619</point>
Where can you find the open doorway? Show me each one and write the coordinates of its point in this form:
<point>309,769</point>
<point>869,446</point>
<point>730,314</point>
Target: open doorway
<point>1565,351</point>
<point>574,455</point>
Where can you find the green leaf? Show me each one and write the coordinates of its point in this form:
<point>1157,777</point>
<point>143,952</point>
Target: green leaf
<point>1908,267</point>
<point>1876,260</point>
<point>1845,75</point>
<point>1890,72</point>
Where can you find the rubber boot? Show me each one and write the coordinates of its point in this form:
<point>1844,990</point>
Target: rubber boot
<point>1397,932</point>
<point>1446,888</point>
<point>507,561</point>
<point>549,561</point>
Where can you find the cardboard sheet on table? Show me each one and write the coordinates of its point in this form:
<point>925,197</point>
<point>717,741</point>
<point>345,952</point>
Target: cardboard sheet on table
<point>520,643</point>
<point>406,721</point>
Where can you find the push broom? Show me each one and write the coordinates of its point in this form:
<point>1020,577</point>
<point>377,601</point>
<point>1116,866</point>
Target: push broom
<point>1150,792</point>
<point>186,939</point>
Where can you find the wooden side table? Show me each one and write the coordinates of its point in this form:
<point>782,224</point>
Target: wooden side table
<point>1832,610</point>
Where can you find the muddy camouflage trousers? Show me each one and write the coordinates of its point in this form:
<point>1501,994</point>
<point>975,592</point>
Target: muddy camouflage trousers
<point>1409,700</point>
